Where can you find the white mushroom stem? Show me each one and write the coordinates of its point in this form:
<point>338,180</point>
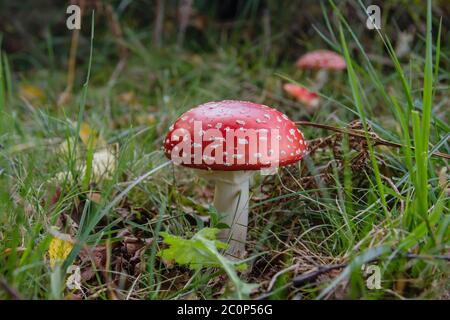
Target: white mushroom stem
<point>231,199</point>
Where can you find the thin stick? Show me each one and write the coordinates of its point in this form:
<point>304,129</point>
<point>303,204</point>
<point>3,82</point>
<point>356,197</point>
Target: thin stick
<point>10,291</point>
<point>72,63</point>
<point>159,23</point>
<point>361,135</point>
<point>312,275</point>
<point>184,11</point>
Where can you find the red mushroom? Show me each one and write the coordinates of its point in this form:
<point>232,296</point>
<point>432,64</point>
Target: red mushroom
<point>228,140</point>
<point>309,98</point>
<point>323,61</point>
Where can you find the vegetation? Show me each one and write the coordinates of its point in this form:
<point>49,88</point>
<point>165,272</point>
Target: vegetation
<point>90,208</point>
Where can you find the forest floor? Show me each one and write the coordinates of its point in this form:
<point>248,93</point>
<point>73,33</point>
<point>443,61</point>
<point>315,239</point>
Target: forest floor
<point>83,177</point>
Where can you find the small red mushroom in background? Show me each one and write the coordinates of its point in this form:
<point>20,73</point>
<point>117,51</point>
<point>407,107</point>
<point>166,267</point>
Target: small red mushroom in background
<point>301,94</point>
<point>225,142</point>
<point>321,61</point>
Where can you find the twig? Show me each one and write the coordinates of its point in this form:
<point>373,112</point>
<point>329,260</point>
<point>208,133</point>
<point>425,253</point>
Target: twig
<point>112,82</point>
<point>279,273</point>
<point>116,31</point>
<point>67,93</point>
<point>184,12</point>
<point>10,291</point>
<point>312,275</point>
<point>159,23</point>
<point>361,135</point>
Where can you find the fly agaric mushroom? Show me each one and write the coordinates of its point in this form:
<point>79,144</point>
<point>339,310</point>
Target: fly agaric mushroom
<point>309,98</point>
<point>225,142</point>
<point>323,61</point>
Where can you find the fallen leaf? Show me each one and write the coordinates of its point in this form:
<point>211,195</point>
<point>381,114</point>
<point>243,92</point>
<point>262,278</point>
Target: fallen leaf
<point>95,197</point>
<point>31,93</point>
<point>103,163</point>
<point>443,180</point>
<point>73,281</point>
<point>59,249</point>
<point>64,98</point>
<point>403,46</point>
<point>129,98</point>
<point>90,137</point>
<point>192,252</point>
<point>145,119</point>
<point>65,146</point>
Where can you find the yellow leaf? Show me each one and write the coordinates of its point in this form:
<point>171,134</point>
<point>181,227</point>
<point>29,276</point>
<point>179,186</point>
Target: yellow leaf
<point>90,137</point>
<point>31,93</point>
<point>145,119</point>
<point>129,98</point>
<point>58,250</point>
<point>95,197</point>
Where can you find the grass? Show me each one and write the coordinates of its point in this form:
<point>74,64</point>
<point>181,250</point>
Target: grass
<point>390,209</point>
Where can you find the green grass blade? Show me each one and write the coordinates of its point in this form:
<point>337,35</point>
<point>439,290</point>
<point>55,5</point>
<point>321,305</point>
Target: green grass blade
<point>357,100</point>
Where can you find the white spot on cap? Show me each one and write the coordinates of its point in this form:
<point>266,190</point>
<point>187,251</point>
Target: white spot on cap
<point>206,158</point>
<point>240,122</point>
<point>218,125</point>
<point>292,132</point>
<point>266,116</point>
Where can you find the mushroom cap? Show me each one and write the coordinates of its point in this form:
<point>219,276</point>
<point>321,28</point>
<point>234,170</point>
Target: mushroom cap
<point>302,94</point>
<point>321,59</point>
<point>233,135</point>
